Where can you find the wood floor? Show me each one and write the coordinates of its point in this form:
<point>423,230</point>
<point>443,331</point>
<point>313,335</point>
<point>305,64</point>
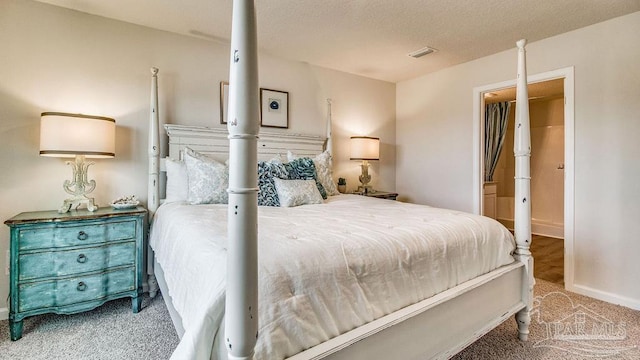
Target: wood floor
<point>548,255</point>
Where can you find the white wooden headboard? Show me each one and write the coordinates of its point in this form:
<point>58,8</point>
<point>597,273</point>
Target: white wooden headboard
<point>214,142</point>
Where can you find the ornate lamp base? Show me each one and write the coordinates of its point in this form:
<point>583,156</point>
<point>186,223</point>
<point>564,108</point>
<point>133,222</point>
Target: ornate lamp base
<point>79,186</point>
<point>75,202</point>
<point>365,178</point>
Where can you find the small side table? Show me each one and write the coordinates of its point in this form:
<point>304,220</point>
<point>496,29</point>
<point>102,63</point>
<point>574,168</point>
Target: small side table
<point>73,262</point>
<point>380,195</point>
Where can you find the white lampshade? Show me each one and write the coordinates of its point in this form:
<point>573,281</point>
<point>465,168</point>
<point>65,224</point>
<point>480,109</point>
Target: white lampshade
<point>68,135</point>
<point>365,148</point>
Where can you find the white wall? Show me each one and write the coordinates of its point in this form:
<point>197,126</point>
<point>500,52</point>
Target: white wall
<point>434,162</point>
<point>54,59</point>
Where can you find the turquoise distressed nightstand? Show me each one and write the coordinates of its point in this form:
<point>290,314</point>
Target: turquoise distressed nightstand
<point>74,262</point>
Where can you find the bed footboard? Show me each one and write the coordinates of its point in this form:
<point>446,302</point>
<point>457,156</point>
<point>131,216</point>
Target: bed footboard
<point>435,328</point>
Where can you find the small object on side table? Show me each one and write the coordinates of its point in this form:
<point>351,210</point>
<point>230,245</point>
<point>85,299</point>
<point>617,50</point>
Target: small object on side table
<point>342,185</point>
<point>74,262</point>
<point>125,202</point>
<point>379,194</point>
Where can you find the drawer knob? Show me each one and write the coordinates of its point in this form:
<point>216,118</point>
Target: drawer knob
<point>82,286</point>
<point>82,235</point>
<point>82,259</point>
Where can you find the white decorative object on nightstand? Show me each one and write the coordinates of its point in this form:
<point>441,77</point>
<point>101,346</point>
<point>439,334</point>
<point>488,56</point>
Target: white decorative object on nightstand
<point>125,202</point>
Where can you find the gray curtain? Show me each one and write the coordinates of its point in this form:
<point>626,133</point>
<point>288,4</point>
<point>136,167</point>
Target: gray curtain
<point>495,130</point>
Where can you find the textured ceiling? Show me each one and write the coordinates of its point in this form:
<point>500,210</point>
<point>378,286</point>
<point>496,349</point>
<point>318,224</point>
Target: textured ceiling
<point>370,37</point>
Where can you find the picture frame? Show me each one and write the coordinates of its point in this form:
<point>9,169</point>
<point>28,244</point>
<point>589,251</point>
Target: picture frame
<point>224,101</point>
<point>274,108</point>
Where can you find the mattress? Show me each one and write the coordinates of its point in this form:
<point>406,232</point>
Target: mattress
<point>323,269</point>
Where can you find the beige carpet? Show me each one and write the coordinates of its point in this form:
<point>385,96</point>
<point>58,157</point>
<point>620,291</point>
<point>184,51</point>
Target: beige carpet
<point>564,326</point>
<point>112,332</point>
<point>109,332</point>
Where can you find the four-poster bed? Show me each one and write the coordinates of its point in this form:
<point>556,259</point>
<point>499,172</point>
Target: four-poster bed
<point>441,320</point>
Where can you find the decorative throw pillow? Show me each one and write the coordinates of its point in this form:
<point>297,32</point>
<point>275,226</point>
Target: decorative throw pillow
<point>303,169</point>
<point>177,181</point>
<point>208,179</point>
<point>279,158</point>
<point>297,192</point>
<point>267,172</point>
<point>324,170</point>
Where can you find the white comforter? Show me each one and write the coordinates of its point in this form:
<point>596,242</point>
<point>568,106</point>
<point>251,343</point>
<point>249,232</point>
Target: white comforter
<point>323,269</point>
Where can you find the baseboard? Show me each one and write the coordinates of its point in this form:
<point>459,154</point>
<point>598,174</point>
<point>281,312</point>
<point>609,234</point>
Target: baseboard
<point>605,296</point>
<point>548,230</point>
<point>541,229</point>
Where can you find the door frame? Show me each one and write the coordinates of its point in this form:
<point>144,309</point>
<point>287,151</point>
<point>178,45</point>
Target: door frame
<point>569,154</point>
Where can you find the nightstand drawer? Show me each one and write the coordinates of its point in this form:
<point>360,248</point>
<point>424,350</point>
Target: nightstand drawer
<point>63,263</point>
<point>61,236</point>
<point>75,290</point>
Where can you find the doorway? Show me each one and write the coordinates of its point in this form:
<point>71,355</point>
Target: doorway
<point>551,169</point>
<point>546,113</point>
<point>546,108</point>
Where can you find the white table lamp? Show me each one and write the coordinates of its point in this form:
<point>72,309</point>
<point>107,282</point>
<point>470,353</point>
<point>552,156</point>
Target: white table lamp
<point>80,136</point>
<point>365,148</point>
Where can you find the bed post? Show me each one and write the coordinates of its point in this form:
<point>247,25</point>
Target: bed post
<point>153,198</point>
<point>241,307</point>
<point>522,152</point>
<point>329,144</point>
<point>154,146</point>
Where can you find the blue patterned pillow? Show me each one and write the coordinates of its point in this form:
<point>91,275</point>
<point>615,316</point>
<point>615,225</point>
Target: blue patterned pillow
<point>267,171</point>
<point>303,169</point>
<point>324,170</point>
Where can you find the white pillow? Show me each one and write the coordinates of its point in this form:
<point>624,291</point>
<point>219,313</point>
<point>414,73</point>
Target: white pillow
<point>324,170</point>
<point>297,192</point>
<point>208,179</point>
<point>177,181</point>
<point>279,158</point>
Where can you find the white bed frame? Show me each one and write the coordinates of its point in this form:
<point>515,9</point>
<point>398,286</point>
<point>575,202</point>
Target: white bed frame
<point>437,327</point>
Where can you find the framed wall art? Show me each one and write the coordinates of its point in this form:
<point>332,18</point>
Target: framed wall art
<point>274,108</point>
<point>224,101</point>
